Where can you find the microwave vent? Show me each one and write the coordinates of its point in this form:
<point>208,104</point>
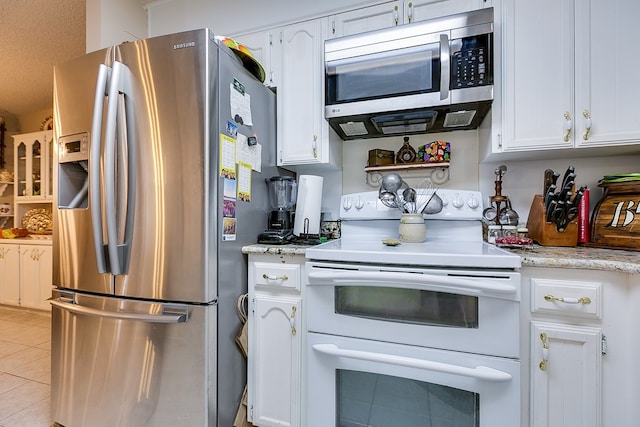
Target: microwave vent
<point>354,128</point>
<point>459,118</point>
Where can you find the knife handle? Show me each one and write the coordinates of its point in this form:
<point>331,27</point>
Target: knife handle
<point>584,228</point>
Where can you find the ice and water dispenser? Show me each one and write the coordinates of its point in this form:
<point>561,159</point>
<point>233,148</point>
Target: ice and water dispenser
<point>73,171</point>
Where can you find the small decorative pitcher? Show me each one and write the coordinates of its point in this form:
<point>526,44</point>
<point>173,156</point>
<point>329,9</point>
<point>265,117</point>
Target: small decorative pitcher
<point>412,228</point>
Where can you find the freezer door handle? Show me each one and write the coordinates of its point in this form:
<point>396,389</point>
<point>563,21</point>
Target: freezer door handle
<point>169,316</point>
<point>119,218</point>
<point>104,75</point>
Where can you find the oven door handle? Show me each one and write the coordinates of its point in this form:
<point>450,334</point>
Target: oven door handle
<point>478,372</point>
<point>397,279</point>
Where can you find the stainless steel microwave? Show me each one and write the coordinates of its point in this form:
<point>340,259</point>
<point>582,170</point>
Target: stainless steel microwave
<point>429,76</point>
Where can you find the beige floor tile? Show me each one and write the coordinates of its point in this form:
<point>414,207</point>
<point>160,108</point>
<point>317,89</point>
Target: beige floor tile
<point>37,370</point>
<point>27,335</point>
<point>22,397</point>
<point>22,358</point>
<point>9,382</point>
<point>36,415</point>
<point>7,347</point>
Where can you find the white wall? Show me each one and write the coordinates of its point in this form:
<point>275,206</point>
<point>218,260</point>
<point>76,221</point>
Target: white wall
<point>463,173</point>
<point>111,22</point>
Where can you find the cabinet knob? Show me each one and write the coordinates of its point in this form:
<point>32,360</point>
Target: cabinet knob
<point>545,351</point>
<point>587,124</point>
<point>568,125</point>
<point>292,319</point>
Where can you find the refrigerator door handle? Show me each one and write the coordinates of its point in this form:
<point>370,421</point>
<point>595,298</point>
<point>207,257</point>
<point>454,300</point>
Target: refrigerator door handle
<point>125,128</point>
<point>104,75</point>
<point>170,316</point>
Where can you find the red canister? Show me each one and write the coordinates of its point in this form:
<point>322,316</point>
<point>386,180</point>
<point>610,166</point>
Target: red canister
<point>584,232</point>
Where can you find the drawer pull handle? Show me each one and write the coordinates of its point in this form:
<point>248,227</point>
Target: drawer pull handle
<point>568,300</point>
<point>545,351</point>
<point>275,278</point>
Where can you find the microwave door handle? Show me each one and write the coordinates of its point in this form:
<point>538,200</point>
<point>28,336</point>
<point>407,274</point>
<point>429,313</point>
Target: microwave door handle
<point>479,372</point>
<point>418,281</point>
<point>104,75</point>
<point>445,66</point>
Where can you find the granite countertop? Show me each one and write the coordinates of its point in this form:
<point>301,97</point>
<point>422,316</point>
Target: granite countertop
<point>580,257</point>
<point>536,256</point>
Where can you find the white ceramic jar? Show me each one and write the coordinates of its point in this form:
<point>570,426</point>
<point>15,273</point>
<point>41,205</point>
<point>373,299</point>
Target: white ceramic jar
<point>412,228</point>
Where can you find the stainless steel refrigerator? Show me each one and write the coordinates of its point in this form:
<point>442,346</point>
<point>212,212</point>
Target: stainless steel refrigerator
<point>148,230</point>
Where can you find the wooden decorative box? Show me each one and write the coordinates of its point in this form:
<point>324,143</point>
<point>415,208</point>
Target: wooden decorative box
<point>546,233</point>
<point>615,222</point>
<point>379,157</point>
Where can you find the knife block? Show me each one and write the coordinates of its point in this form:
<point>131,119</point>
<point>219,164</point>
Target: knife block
<point>545,233</point>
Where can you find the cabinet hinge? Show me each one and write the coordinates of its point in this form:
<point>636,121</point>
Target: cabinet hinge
<point>270,39</point>
<point>251,412</point>
<point>333,27</point>
<point>253,305</point>
<point>603,345</point>
<point>499,136</point>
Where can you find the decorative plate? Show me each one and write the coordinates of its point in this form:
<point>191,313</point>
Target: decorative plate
<point>38,221</point>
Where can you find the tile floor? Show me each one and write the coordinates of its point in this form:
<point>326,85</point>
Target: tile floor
<point>25,371</point>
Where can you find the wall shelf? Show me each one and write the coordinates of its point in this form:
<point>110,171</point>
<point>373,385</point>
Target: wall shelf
<point>438,173</point>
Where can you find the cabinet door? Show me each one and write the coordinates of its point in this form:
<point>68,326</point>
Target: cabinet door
<point>10,282</point>
<point>260,46</point>
<point>538,74</point>
<point>565,391</point>
<point>275,353</point>
<point>607,61</point>
<point>36,262</point>
<point>301,123</point>
<point>366,19</point>
<point>420,10</point>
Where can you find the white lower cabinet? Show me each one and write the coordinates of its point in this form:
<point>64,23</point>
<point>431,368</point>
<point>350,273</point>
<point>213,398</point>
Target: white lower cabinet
<point>275,340</point>
<point>26,272</point>
<point>579,359</point>
<point>565,374</point>
<point>9,272</point>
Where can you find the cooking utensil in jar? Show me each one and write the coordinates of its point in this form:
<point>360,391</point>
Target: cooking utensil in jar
<point>391,182</point>
<point>409,198</point>
<point>434,204</point>
<point>388,198</point>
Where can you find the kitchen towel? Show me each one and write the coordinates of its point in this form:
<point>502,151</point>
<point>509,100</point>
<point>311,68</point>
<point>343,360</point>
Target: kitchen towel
<point>308,205</point>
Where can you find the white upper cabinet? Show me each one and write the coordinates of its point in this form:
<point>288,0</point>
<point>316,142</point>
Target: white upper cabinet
<point>260,44</point>
<point>395,13</point>
<point>568,74</point>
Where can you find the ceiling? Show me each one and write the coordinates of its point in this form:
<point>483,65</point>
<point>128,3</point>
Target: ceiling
<point>36,35</point>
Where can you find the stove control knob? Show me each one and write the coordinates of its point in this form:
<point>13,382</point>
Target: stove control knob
<point>346,204</point>
<point>473,202</point>
<point>458,202</point>
<point>359,203</point>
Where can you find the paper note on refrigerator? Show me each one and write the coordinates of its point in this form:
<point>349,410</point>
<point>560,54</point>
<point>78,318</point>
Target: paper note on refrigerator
<point>249,154</point>
<point>240,104</point>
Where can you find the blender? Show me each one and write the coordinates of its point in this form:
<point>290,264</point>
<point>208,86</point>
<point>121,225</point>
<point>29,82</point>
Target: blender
<point>282,196</point>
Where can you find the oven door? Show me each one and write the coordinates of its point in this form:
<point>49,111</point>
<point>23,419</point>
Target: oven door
<point>354,382</point>
<point>475,311</point>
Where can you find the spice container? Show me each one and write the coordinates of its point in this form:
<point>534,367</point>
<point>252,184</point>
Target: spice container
<point>494,232</point>
<point>509,231</point>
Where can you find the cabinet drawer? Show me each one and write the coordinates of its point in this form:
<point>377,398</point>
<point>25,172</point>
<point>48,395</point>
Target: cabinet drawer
<point>278,275</point>
<point>565,297</point>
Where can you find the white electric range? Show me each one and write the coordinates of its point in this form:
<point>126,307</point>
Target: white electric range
<point>414,334</point>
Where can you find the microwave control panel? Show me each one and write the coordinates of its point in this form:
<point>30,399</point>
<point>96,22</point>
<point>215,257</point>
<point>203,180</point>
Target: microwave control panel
<point>471,63</point>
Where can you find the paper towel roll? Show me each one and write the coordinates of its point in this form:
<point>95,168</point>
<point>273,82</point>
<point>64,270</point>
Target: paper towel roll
<point>308,205</point>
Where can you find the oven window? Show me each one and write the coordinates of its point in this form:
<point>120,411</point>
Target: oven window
<point>400,72</point>
<point>366,400</point>
<point>407,306</point>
